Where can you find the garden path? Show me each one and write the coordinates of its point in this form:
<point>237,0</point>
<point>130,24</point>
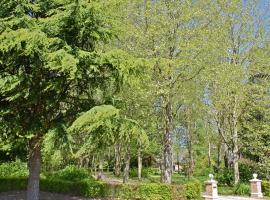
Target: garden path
<point>236,198</point>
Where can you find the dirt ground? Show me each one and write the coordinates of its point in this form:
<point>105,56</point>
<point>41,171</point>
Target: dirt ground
<point>20,195</point>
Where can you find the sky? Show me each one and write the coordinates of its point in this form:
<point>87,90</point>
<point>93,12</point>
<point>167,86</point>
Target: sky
<point>264,6</point>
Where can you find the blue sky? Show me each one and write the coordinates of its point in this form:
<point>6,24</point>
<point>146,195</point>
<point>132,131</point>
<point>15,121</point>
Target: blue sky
<point>265,11</point>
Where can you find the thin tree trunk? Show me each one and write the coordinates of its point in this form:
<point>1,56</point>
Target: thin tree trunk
<point>209,154</point>
<point>167,142</point>
<point>219,156</point>
<point>190,153</point>
<point>127,165</point>
<point>178,162</point>
<point>235,147</point>
<point>100,169</point>
<point>117,166</point>
<point>34,169</point>
<point>139,164</point>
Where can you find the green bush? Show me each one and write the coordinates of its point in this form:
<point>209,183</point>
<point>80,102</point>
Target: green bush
<point>13,169</point>
<point>193,189</point>
<point>246,169</point>
<point>242,189</point>
<point>266,188</point>
<point>69,173</point>
<point>154,191</point>
<point>86,188</point>
<point>59,186</point>
<point>12,184</point>
<point>91,188</point>
<point>225,177</point>
<point>147,191</point>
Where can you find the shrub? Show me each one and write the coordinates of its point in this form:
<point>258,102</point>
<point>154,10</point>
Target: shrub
<point>13,169</point>
<point>266,188</point>
<point>147,191</point>
<point>154,191</point>
<point>91,188</point>
<point>126,192</point>
<point>242,189</point>
<point>86,188</point>
<point>225,177</point>
<point>246,169</point>
<point>70,173</point>
<point>193,189</point>
<point>11,184</point>
<point>58,186</point>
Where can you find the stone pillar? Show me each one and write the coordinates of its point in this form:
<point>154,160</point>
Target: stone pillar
<point>211,189</point>
<point>256,187</point>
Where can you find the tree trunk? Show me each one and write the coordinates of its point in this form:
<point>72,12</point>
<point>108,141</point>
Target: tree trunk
<point>167,142</point>
<point>219,156</point>
<point>34,169</point>
<point>209,154</point>
<point>235,147</point>
<point>190,153</point>
<point>139,164</point>
<point>178,162</point>
<point>117,166</point>
<point>100,170</point>
<point>127,165</point>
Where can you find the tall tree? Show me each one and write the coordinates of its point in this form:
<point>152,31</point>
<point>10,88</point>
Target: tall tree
<point>47,68</point>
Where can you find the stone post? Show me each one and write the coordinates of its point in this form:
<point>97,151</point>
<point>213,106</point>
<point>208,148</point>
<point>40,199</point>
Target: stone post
<point>256,187</point>
<point>211,189</point>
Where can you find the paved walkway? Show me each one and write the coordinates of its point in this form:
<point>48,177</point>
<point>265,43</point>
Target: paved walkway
<point>236,198</point>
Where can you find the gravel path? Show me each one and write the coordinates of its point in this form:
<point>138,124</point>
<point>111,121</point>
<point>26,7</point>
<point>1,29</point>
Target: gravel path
<point>43,196</point>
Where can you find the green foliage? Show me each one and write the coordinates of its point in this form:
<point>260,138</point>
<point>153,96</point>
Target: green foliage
<point>13,169</point>
<point>225,177</point>
<point>225,190</point>
<point>246,169</point>
<point>59,186</point>
<point>94,118</point>
<point>242,189</point>
<point>147,191</point>
<point>91,188</point>
<point>266,187</point>
<point>193,189</point>
<point>86,187</point>
<point>12,184</point>
<point>70,173</point>
<point>146,172</point>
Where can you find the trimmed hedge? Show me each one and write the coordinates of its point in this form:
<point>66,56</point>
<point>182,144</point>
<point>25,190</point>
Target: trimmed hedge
<point>149,191</point>
<point>158,191</point>
<point>266,188</point>
<point>11,184</point>
<point>86,188</point>
<point>93,188</point>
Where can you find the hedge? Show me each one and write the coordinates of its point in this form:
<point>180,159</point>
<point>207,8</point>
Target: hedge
<point>93,188</point>
<point>159,191</point>
<point>86,188</point>
<point>266,188</point>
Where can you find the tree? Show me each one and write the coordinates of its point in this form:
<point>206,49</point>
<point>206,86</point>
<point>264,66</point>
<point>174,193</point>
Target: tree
<point>176,38</point>
<point>47,65</point>
<point>103,127</point>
